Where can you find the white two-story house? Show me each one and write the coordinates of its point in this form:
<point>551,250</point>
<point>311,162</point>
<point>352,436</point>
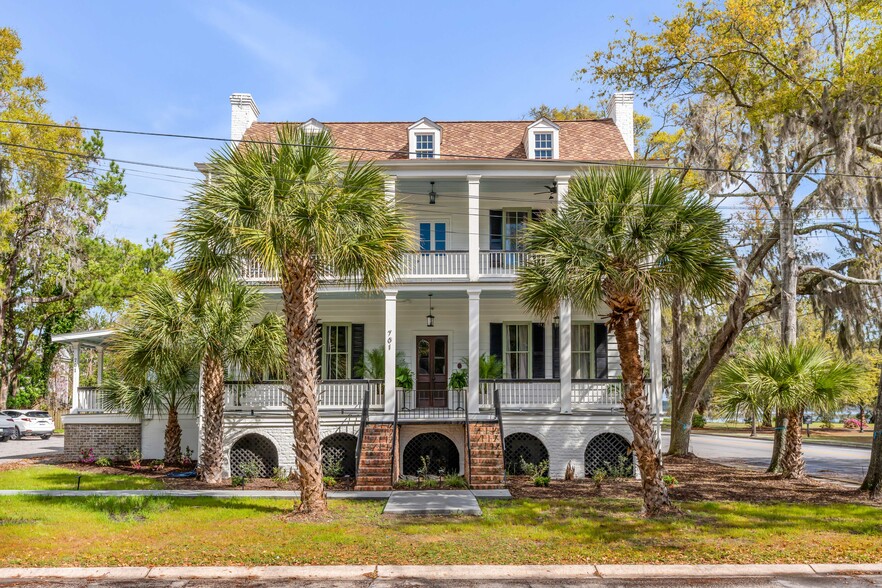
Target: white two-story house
<point>468,188</point>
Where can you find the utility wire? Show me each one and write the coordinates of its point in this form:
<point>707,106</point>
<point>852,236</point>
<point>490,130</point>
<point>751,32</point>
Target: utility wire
<point>440,155</point>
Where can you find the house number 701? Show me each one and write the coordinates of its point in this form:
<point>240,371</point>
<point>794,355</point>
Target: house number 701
<point>389,340</point>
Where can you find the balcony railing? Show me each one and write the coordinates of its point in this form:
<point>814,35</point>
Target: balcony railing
<point>534,394</point>
<point>598,394</point>
<point>333,395</point>
<point>501,263</point>
<point>435,264</point>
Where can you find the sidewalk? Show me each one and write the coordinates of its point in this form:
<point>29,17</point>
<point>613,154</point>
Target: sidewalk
<point>288,494</point>
<point>819,572</point>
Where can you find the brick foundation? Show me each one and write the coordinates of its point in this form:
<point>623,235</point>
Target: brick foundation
<point>115,441</point>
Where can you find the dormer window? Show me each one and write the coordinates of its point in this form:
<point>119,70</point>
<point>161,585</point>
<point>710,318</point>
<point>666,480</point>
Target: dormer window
<point>312,127</point>
<point>543,146</point>
<point>424,140</point>
<point>542,140</point>
<point>425,145</point>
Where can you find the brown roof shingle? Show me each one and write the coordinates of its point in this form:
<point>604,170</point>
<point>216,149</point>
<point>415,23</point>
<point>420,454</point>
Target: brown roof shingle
<point>592,140</point>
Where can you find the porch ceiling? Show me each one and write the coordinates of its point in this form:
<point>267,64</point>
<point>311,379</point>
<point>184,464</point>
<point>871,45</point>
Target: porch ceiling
<point>87,338</point>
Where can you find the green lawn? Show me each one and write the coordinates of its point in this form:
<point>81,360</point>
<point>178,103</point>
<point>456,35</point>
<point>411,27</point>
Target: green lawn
<point>90,531</point>
<point>46,477</point>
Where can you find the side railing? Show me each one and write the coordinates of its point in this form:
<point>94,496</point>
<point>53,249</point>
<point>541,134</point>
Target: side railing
<point>596,394</point>
<point>501,263</point>
<point>427,264</point>
<point>89,399</point>
<point>497,408</point>
<point>332,395</point>
<point>523,394</point>
<point>409,407</point>
<point>365,411</point>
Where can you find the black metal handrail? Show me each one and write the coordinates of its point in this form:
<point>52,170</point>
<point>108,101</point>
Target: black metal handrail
<point>409,411</point>
<point>468,439</point>
<point>365,411</point>
<point>394,441</point>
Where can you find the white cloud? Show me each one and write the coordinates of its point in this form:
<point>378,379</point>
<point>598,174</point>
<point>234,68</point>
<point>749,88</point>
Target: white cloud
<point>293,58</point>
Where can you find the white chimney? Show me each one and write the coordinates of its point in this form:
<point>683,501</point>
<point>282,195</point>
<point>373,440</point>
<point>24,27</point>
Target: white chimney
<point>245,113</point>
<point>621,110</point>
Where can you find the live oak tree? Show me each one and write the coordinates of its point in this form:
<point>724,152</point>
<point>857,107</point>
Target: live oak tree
<point>52,198</point>
<point>620,239</point>
<point>780,102</point>
<point>293,206</point>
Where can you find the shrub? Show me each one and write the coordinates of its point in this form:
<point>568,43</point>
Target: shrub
<point>329,481</point>
<point>425,466</point>
<point>187,459</point>
<point>87,456</point>
<point>852,423</point>
<point>250,470</point>
<point>455,481</point>
<point>135,459</point>
<point>430,484</point>
<point>239,481</point>
<point>670,480</point>
<point>620,469</point>
<point>334,469</point>
<point>542,481</point>
<point>103,462</point>
<point>698,421</point>
<point>281,477</point>
<point>599,477</point>
<point>407,484</point>
<point>536,472</point>
<point>157,465</point>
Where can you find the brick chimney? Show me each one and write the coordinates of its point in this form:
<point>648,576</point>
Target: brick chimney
<point>620,109</point>
<point>244,113</point>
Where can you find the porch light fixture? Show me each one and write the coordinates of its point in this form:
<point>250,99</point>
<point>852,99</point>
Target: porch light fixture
<point>556,320</point>
<point>432,197</point>
<point>430,318</point>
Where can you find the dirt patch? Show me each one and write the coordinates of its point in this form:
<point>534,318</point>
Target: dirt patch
<point>701,480</point>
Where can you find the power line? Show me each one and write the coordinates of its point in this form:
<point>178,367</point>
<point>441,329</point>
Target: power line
<point>454,155</point>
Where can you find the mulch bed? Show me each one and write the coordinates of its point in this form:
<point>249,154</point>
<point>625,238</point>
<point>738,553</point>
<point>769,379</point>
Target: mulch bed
<point>699,480</point>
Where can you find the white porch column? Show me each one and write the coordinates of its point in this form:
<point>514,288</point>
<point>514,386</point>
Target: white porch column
<point>655,362</point>
<point>75,376</point>
<point>100,378</point>
<point>390,348</point>
<point>566,359</point>
<point>566,321</point>
<point>474,227</point>
<point>474,349</point>
<point>390,189</point>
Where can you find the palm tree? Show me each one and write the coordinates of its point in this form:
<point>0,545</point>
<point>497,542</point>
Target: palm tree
<point>171,331</point>
<point>293,207</point>
<point>620,238</point>
<point>737,393</point>
<point>790,379</point>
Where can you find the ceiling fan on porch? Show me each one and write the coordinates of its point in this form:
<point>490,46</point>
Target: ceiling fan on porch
<point>550,190</point>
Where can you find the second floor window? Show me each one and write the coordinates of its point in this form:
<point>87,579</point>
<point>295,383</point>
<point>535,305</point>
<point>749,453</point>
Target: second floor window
<point>425,145</point>
<point>544,146</point>
<point>433,236</point>
<point>515,221</point>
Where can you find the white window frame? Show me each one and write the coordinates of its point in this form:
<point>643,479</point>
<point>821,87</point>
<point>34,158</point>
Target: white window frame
<point>424,126</point>
<point>505,213</point>
<point>542,126</point>
<point>432,239</point>
<point>421,151</point>
<point>592,367</point>
<point>549,149</point>
<point>348,352</point>
<point>506,352</point>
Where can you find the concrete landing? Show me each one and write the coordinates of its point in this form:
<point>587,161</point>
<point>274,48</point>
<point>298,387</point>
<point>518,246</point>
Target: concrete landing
<point>432,502</point>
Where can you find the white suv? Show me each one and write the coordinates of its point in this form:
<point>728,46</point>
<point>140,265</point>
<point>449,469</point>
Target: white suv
<point>35,423</point>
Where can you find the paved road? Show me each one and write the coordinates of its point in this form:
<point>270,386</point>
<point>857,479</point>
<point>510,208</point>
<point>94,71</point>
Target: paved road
<point>31,447</point>
<point>828,461</point>
<point>786,581</point>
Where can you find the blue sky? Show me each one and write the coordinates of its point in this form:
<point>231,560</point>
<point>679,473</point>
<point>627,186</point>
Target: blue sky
<point>171,66</point>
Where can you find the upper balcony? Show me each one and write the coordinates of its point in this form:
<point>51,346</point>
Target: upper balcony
<point>465,229</point>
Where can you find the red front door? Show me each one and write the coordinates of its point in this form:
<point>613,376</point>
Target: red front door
<point>431,377</point>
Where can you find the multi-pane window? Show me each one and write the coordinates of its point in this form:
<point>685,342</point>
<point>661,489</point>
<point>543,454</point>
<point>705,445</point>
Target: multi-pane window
<point>581,351</point>
<point>515,221</point>
<point>433,236</point>
<point>543,146</point>
<point>425,145</point>
<point>336,348</point>
<point>517,350</point>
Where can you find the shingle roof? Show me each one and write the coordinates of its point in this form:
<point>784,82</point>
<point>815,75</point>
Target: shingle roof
<point>595,140</point>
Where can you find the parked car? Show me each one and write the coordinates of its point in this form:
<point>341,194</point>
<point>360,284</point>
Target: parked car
<point>7,427</point>
<point>33,423</point>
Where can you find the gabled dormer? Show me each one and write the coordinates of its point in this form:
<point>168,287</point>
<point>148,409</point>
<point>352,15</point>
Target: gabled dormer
<point>542,140</point>
<point>313,126</point>
<point>424,139</point>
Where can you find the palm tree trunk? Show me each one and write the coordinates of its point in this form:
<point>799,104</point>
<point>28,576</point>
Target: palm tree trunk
<point>873,481</point>
<point>211,459</point>
<point>753,425</point>
<point>300,298</point>
<point>655,494</point>
<point>792,461</point>
<point>778,443</point>
<point>172,437</point>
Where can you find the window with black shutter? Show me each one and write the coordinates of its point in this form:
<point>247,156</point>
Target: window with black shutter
<point>538,350</point>
<point>601,351</point>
